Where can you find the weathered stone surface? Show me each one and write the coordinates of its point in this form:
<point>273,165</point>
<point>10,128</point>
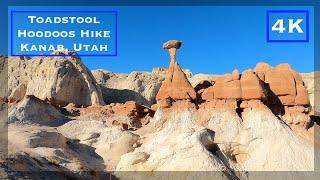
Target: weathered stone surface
<point>180,140</point>
<point>197,78</point>
<point>141,87</point>
<point>102,76</point>
<point>281,82</point>
<point>227,88</point>
<point>226,124</point>
<point>18,93</point>
<point>176,85</point>
<point>220,104</point>
<point>302,97</point>
<point>172,44</point>
<point>109,142</point>
<point>60,80</point>
<point>201,86</point>
<point>235,74</point>
<point>164,103</point>
<point>127,116</point>
<point>283,66</point>
<point>253,103</point>
<point>287,85</point>
<point>261,69</point>
<point>297,115</point>
<point>251,86</point>
<point>179,86</point>
<point>208,94</point>
<point>260,129</point>
<point>35,152</point>
<point>312,83</point>
<point>161,71</point>
<point>32,110</point>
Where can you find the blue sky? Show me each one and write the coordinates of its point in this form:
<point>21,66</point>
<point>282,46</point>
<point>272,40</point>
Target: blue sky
<point>216,40</point>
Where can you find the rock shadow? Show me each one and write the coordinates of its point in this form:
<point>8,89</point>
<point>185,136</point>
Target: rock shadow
<point>215,150</point>
<point>273,102</point>
<point>123,95</point>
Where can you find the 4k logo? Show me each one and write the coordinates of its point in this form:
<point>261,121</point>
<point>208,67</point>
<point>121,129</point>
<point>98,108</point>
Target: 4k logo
<point>287,26</point>
<point>279,26</point>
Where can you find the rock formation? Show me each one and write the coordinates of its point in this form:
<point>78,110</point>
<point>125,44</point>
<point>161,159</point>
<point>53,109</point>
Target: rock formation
<point>32,110</point>
<point>226,125</point>
<point>259,90</point>
<point>141,87</point>
<point>176,86</point>
<point>312,82</point>
<point>173,146</point>
<point>127,116</point>
<point>109,142</point>
<point>60,80</point>
<point>163,71</point>
<point>288,87</point>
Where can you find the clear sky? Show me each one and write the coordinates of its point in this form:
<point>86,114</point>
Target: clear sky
<point>216,39</point>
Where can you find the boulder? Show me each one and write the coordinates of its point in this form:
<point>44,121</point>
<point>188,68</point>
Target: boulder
<point>261,70</point>
<point>172,44</point>
<point>281,82</point>
<point>208,94</point>
<point>109,142</point>
<point>34,111</point>
<point>302,97</point>
<point>41,153</point>
<point>102,76</point>
<point>227,88</point>
<point>287,85</point>
<point>262,67</point>
<point>18,93</point>
<point>251,86</point>
<point>58,79</point>
<point>235,74</point>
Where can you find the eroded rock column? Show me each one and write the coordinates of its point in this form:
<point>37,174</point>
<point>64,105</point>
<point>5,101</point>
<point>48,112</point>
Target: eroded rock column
<point>175,87</point>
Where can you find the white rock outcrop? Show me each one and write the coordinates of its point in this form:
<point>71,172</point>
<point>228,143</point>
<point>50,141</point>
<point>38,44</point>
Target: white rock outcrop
<point>33,111</point>
<point>180,145</point>
<point>270,145</point>
<point>109,142</point>
<point>62,80</point>
<point>141,87</point>
<point>40,153</point>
